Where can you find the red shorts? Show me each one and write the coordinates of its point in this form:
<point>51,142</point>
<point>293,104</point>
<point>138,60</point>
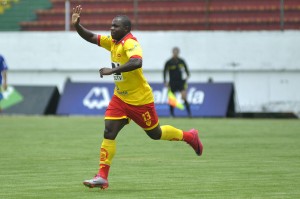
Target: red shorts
<point>145,115</point>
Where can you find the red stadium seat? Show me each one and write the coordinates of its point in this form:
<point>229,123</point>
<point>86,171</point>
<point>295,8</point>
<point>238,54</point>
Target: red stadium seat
<point>175,14</point>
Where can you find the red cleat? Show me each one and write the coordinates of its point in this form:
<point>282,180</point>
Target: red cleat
<point>194,141</point>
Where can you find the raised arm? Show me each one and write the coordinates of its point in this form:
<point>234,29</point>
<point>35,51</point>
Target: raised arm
<point>83,32</point>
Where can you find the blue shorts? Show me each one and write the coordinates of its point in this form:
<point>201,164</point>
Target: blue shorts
<point>1,96</point>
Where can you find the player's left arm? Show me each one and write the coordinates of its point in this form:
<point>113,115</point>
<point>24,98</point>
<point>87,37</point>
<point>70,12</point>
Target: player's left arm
<point>132,64</point>
<point>186,70</point>
<point>134,53</point>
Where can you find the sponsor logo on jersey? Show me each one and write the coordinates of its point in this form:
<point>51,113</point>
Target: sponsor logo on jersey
<point>118,78</point>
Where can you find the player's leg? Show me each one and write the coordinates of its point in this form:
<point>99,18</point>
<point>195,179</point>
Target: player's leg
<point>107,152</point>
<point>172,111</point>
<point>184,98</point>
<point>146,117</point>
<point>115,120</point>
<point>174,89</point>
<point>165,132</point>
<point>171,133</point>
<point>108,146</point>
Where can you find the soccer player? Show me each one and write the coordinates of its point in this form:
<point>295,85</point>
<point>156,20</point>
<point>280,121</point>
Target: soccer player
<point>132,99</point>
<point>3,75</point>
<point>176,67</point>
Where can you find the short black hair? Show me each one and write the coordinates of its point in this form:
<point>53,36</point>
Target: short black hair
<point>175,48</point>
<point>125,21</point>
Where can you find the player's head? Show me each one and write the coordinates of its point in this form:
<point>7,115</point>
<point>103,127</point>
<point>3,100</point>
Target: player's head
<point>175,52</point>
<point>120,26</point>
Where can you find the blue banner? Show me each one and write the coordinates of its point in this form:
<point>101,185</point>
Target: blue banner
<point>206,99</point>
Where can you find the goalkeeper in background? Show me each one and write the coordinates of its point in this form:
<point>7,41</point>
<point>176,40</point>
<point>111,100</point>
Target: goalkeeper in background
<point>178,75</point>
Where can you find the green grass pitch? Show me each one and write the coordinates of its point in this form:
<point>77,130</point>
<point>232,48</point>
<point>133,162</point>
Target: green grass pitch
<point>49,157</point>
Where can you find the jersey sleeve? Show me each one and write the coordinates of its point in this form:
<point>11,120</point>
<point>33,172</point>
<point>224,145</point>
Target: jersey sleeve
<point>133,49</point>
<point>105,41</point>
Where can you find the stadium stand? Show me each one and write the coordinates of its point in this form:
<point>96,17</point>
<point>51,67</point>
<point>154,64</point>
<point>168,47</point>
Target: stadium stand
<point>175,14</point>
<point>6,4</point>
<point>12,12</point>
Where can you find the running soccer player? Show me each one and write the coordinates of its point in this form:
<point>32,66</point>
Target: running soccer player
<point>132,99</point>
<point>176,67</point>
<point>3,75</point>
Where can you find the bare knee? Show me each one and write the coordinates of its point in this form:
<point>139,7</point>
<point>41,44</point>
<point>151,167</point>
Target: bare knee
<point>154,136</point>
<point>113,127</point>
<point>109,134</point>
<point>155,133</point>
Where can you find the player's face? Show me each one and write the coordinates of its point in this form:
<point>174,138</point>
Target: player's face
<point>118,30</point>
<point>175,52</point>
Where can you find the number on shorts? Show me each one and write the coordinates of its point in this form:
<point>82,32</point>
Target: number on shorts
<point>146,116</point>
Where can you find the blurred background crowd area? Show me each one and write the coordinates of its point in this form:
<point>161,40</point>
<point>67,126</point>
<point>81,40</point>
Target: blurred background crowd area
<point>50,15</point>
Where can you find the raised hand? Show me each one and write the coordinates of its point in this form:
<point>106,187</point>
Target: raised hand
<point>76,15</point>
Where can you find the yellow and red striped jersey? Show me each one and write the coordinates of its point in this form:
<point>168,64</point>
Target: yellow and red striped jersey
<point>131,87</point>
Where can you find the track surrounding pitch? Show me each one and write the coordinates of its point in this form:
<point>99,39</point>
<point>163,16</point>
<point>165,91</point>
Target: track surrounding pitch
<point>49,157</point>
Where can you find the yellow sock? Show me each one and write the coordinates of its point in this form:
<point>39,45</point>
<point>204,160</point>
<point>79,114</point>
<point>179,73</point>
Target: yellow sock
<point>107,152</point>
<point>171,133</point>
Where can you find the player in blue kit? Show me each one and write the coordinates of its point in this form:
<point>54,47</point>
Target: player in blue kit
<point>3,77</point>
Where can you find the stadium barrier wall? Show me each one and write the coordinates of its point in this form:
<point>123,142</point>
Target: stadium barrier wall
<point>206,99</point>
<point>264,65</point>
<point>210,50</point>
<point>30,100</point>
